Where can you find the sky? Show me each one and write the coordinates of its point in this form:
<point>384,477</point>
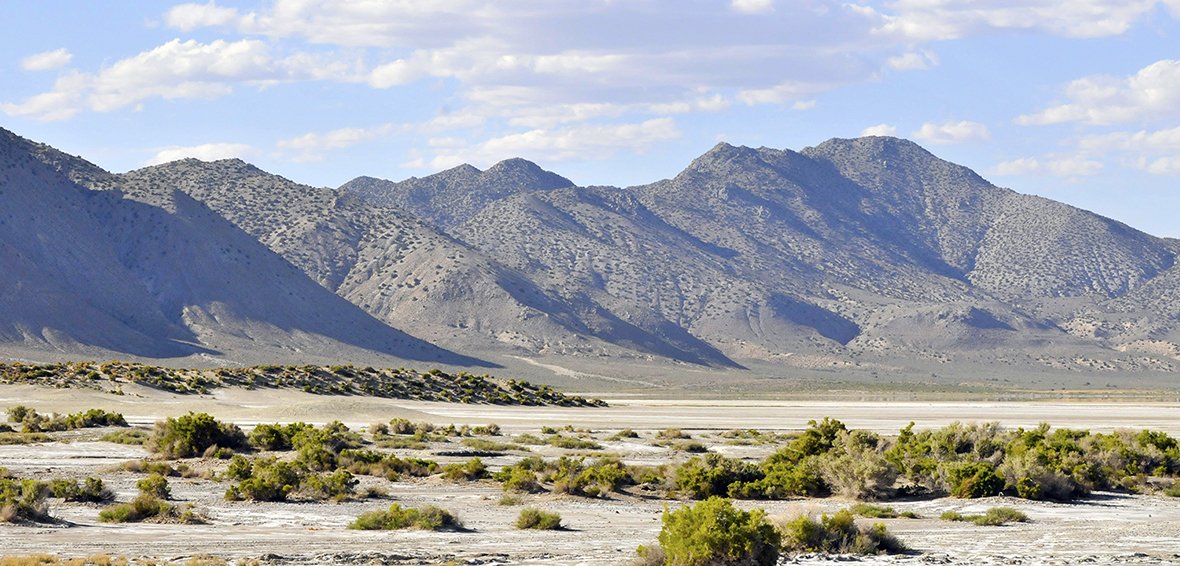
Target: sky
<point>1078,101</point>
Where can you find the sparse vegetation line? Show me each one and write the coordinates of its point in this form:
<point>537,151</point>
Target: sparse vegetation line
<point>399,383</point>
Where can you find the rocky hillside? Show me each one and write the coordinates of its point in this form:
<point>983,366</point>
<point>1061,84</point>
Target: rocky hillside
<point>406,273</point>
<point>157,274</point>
<point>865,255</point>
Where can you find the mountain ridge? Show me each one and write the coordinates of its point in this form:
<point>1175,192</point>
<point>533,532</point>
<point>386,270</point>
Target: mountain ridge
<point>855,255</point>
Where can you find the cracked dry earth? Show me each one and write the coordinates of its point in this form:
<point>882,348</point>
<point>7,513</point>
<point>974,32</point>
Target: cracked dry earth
<point>1107,528</point>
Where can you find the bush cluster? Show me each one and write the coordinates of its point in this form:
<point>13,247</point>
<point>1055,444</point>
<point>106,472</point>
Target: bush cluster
<point>91,491</point>
<point>433,385</point>
<point>714,532</point>
<point>429,518</point>
<point>838,534</point>
<point>536,519</point>
<point>968,461</point>
<point>993,517</point>
<point>24,501</point>
<point>32,421</point>
<point>193,435</point>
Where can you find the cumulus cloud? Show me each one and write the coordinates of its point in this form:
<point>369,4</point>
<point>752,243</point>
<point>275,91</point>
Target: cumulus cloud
<point>1169,165</point>
<point>879,130</point>
<point>952,132</point>
<point>576,143</point>
<point>1068,167</point>
<point>1151,93</point>
<point>175,70</point>
<point>46,61</point>
<point>204,152</point>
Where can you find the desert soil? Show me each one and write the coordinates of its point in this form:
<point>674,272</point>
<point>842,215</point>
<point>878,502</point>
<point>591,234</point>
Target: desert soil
<point>1108,528</point>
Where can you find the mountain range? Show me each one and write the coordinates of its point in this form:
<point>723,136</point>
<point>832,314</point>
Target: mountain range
<point>868,256</point>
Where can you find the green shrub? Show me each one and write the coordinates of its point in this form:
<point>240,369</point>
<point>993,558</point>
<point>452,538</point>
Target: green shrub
<point>492,429</point>
<point>873,511</point>
<point>139,509</point>
<point>533,518</point>
<point>518,479</point>
<point>270,480</point>
<point>338,486</point>
<point>471,470</point>
<point>429,518</point>
<point>154,485</point>
<point>672,434</point>
<point>972,481</point>
<point>92,491</point>
<point>511,500</point>
<point>713,532</point>
<point>575,477</point>
<point>994,517</point>
<point>571,443</point>
<point>132,437</point>
<point>490,446</point>
<point>838,534</point>
<point>623,434</point>
<point>714,475</point>
<point>192,435</point>
<point>24,500</point>
<point>31,421</point>
<point>276,436</point>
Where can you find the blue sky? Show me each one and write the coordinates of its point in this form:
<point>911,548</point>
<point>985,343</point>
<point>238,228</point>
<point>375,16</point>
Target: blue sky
<point>1078,101</point>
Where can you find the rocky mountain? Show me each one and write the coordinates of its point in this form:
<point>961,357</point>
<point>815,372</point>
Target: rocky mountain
<point>406,273</point>
<point>849,249</point>
<point>157,274</point>
<point>866,255</point>
<point>451,197</point>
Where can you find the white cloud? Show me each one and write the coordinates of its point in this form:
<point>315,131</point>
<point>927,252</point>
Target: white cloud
<point>912,61</point>
<point>47,61</point>
<point>336,139</point>
<point>1151,93</point>
<point>803,105</point>
<point>187,17</point>
<point>753,6</point>
<point>879,130</point>
<point>1169,165</point>
<point>1068,167</point>
<point>928,20</point>
<point>952,132</point>
<point>576,143</point>
<point>61,103</point>
<point>1155,152</point>
<point>175,70</point>
<point>784,92</point>
<point>204,152</point>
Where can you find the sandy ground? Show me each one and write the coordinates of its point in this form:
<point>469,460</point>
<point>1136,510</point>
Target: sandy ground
<point>1106,529</point>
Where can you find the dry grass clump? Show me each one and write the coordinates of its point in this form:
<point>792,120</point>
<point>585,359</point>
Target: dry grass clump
<point>51,560</point>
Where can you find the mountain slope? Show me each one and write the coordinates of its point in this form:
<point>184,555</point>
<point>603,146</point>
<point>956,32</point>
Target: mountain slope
<point>176,278</point>
<point>408,274</point>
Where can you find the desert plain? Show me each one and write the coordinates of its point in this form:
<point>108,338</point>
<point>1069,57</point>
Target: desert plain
<point>1105,528</point>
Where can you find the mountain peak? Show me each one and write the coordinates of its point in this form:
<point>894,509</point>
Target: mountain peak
<point>450,198</point>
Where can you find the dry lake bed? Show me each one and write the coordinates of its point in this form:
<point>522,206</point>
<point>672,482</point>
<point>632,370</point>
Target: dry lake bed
<point>1107,528</point>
